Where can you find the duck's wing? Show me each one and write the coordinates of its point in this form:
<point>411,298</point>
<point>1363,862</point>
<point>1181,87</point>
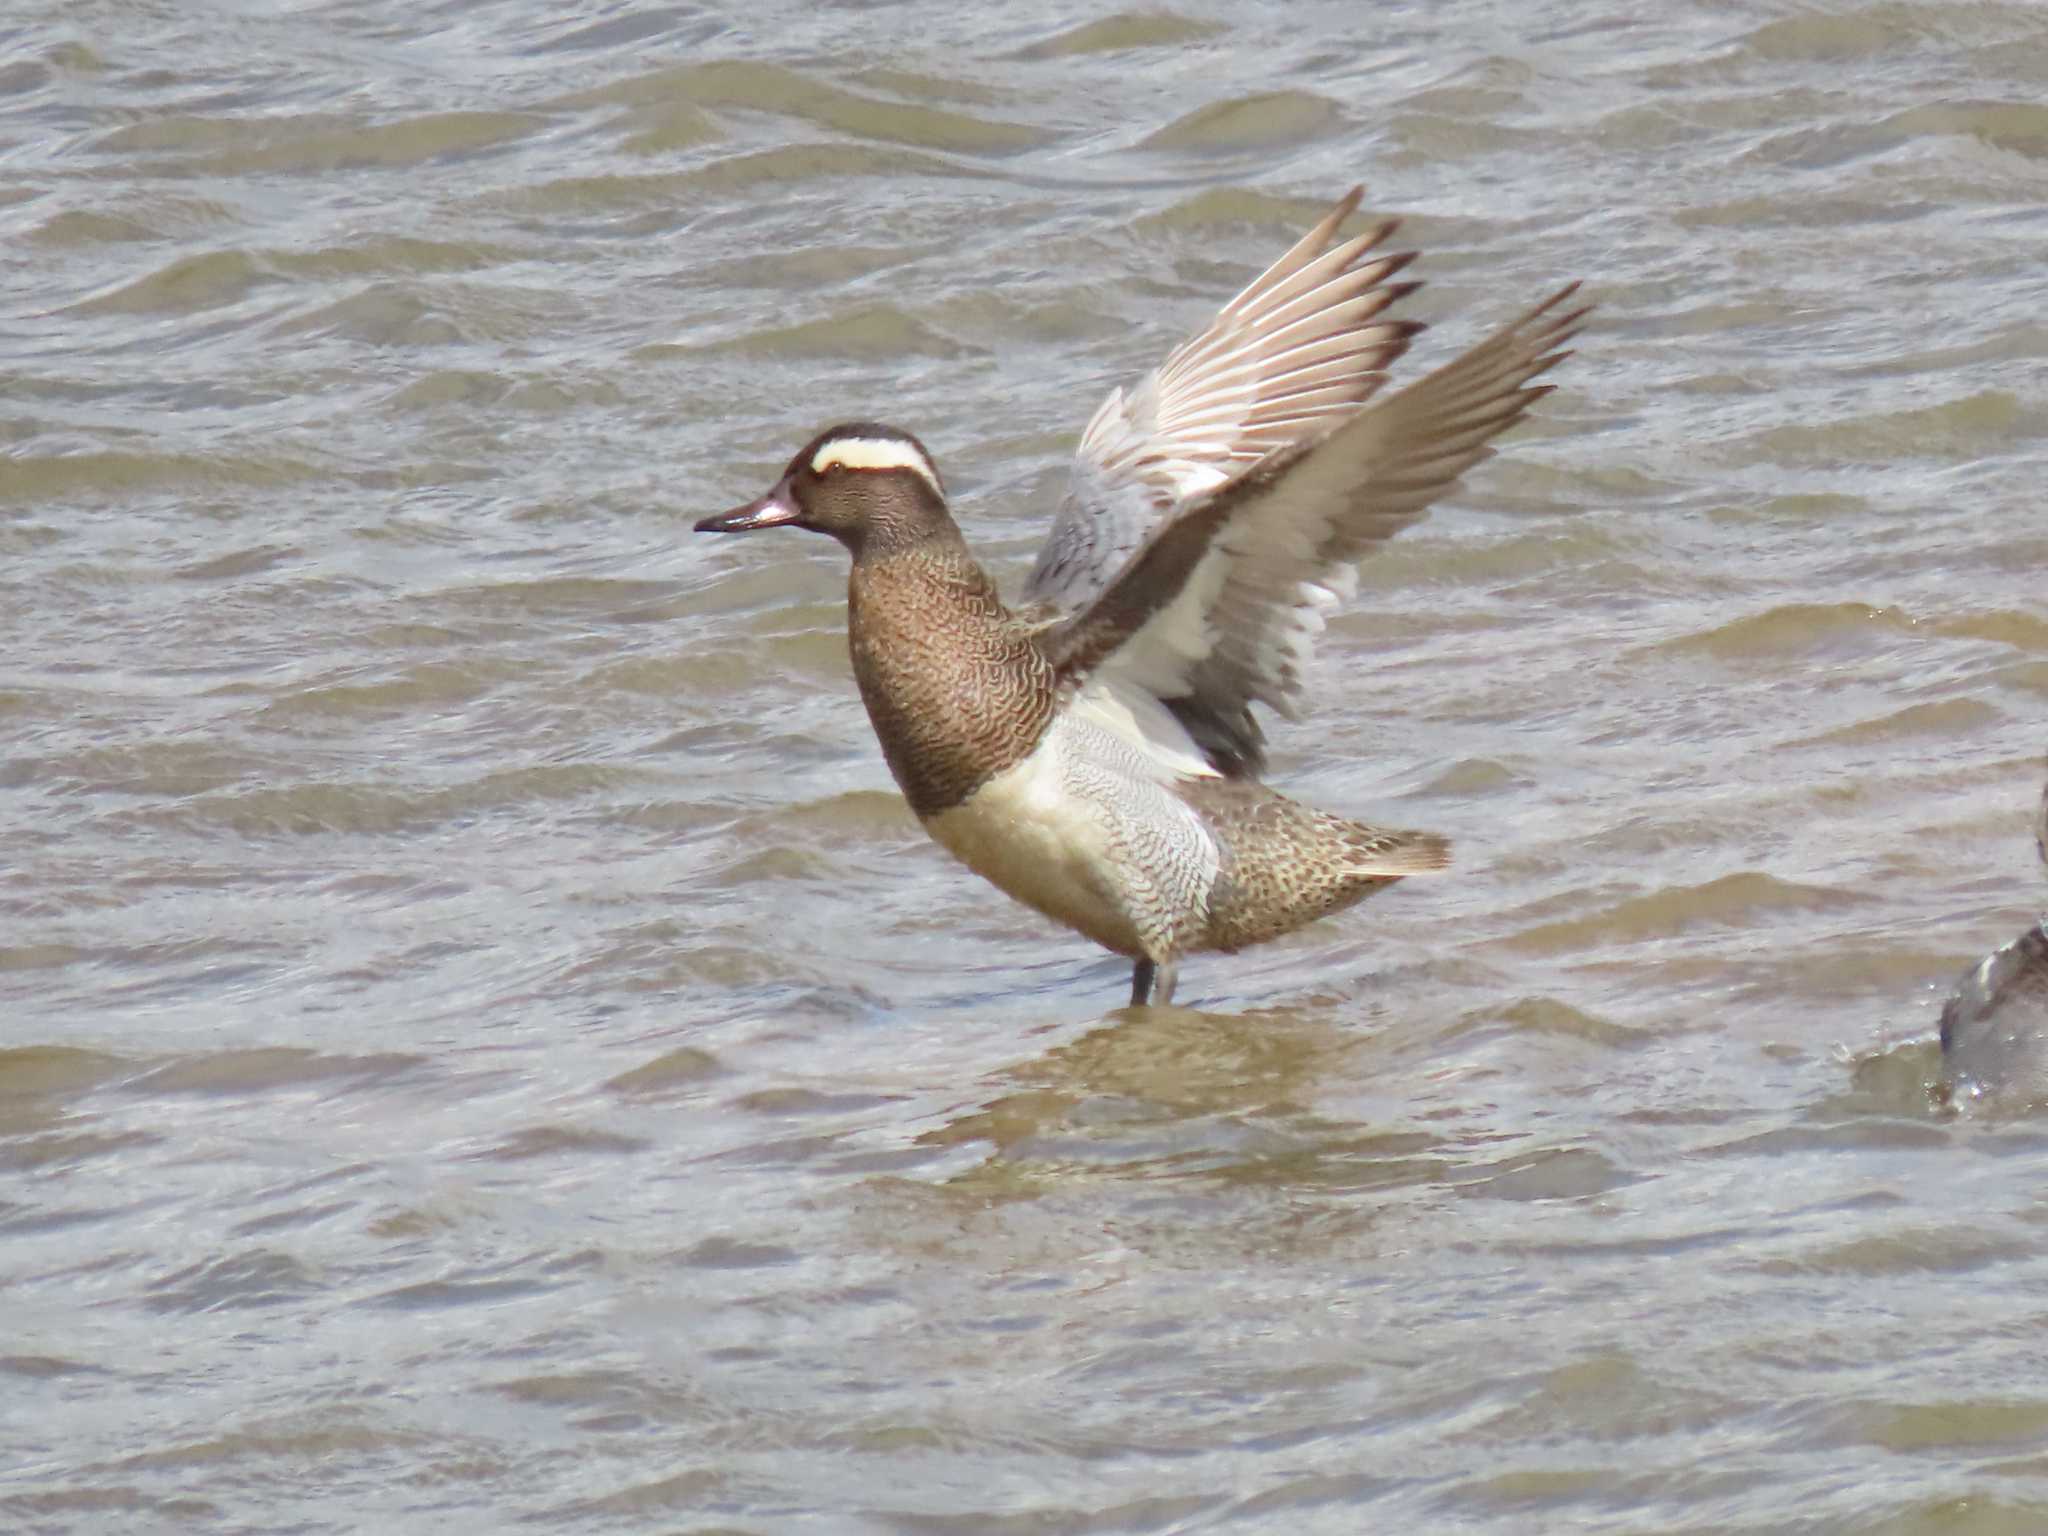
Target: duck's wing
<point>1303,345</point>
<point>1220,605</point>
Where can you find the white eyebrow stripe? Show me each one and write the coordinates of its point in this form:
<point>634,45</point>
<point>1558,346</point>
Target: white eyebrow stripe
<point>876,453</point>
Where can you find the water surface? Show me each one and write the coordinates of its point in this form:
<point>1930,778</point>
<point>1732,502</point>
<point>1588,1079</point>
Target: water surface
<point>483,1043</point>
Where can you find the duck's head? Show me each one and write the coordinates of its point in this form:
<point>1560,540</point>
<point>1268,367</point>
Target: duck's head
<point>863,483</point>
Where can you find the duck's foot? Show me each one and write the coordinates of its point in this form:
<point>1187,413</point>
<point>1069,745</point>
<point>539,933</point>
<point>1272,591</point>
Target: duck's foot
<point>1153,982</point>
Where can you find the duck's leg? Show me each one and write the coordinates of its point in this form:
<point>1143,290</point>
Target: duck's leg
<point>1152,982</point>
<point>1141,983</point>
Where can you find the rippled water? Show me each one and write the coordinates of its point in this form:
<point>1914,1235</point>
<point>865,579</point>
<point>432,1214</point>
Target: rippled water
<point>484,1044</point>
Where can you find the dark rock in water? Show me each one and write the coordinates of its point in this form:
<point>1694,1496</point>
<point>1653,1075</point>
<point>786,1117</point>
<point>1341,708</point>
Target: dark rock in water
<point>1994,1031</point>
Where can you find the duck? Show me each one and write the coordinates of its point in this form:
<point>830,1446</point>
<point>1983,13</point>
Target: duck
<point>1994,1026</point>
<point>1093,750</point>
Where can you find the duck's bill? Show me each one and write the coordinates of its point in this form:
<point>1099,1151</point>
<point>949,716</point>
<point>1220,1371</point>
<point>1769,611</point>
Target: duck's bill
<point>771,511</point>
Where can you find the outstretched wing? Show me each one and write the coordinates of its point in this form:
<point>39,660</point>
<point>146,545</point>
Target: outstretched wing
<point>1303,345</point>
<point>1220,605</point>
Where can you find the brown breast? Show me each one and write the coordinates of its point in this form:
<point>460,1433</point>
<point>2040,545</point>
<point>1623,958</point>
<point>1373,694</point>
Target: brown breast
<point>956,687</point>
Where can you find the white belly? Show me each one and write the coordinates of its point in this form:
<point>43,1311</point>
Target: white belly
<point>1073,833</point>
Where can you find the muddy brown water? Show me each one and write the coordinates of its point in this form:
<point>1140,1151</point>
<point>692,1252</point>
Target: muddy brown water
<point>482,1045</point>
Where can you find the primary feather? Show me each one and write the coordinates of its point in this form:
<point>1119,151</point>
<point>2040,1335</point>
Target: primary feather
<point>1219,512</point>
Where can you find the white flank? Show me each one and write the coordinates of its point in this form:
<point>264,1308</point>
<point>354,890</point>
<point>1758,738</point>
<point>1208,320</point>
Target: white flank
<point>876,453</point>
<point>1136,717</point>
<point>1055,833</point>
<point>1026,833</point>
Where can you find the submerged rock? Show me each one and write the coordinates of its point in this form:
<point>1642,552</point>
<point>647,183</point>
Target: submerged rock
<point>1994,1029</point>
